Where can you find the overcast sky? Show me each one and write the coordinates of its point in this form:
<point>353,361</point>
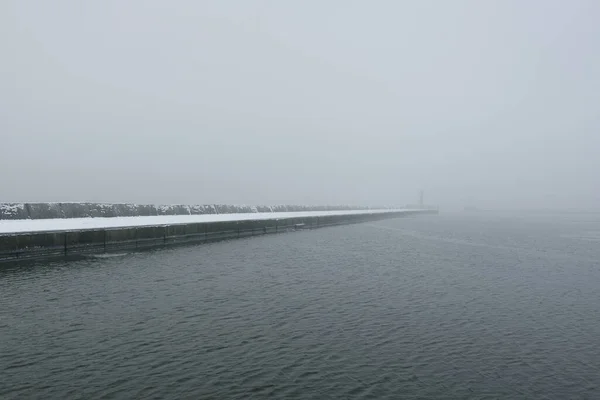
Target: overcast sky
<point>494,103</point>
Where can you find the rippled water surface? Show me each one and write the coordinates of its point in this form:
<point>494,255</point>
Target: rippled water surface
<point>453,306</point>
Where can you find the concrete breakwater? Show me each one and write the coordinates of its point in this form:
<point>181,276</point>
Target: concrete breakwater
<point>18,211</point>
<point>46,244</point>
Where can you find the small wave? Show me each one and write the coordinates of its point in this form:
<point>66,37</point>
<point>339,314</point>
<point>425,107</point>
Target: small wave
<point>461,242</point>
<point>108,255</point>
<point>592,236</point>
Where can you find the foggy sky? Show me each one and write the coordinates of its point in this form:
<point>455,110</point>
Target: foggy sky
<point>493,103</point>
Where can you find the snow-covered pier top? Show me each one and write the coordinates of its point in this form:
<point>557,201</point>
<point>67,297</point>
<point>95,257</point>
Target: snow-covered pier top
<point>79,224</point>
<point>111,210</point>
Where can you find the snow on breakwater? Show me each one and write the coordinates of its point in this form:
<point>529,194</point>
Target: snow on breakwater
<point>73,224</point>
<point>36,211</point>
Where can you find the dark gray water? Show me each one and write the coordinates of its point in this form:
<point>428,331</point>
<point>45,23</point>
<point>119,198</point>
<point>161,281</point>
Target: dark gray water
<point>455,306</point>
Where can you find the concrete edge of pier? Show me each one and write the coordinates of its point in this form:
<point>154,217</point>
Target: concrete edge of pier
<point>52,244</point>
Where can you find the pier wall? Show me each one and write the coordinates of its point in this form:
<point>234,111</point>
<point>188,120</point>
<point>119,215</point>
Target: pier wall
<point>35,245</point>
